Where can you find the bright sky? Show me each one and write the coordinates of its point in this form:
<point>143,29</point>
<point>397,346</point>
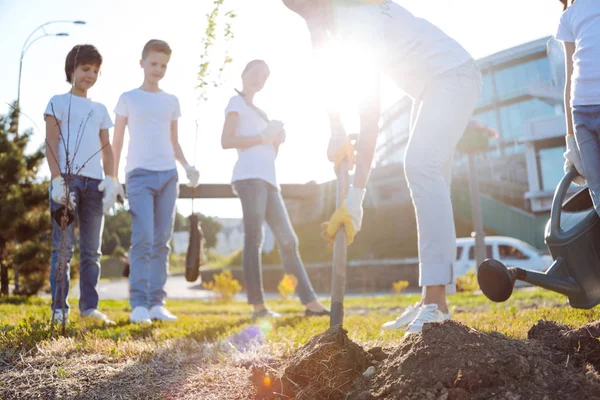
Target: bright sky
<point>264,29</point>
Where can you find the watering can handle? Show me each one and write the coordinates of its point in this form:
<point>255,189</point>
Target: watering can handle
<point>559,198</point>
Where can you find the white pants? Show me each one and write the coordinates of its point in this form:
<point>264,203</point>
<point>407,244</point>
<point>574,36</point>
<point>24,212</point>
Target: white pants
<point>439,118</point>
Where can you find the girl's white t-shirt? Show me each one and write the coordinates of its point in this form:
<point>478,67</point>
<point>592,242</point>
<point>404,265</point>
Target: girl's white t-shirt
<point>411,50</point>
<point>256,162</point>
<point>580,24</point>
<point>81,120</point>
<point>149,116</point>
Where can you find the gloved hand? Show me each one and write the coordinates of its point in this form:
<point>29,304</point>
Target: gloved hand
<point>272,131</point>
<point>120,192</point>
<point>279,138</point>
<point>110,187</point>
<point>349,216</point>
<point>59,193</point>
<point>193,175</point>
<point>572,158</point>
<point>340,147</point>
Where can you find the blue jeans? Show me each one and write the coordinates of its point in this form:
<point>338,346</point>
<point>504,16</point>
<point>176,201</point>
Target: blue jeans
<point>262,202</point>
<point>88,212</point>
<point>152,196</point>
<point>586,120</point>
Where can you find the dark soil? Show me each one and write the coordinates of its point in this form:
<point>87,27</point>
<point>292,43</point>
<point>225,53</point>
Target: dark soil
<point>577,347</point>
<point>448,361</point>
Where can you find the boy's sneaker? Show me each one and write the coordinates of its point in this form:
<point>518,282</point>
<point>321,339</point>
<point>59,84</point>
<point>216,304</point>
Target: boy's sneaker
<point>162,314</point>
<point>426,314</point>
<point>140,315</point>
<point>92,313</point>
<point>407,316</point>
<point>58,316</point>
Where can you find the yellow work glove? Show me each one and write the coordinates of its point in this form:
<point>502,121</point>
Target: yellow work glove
<point>349,216</point>
<point>340,148</point>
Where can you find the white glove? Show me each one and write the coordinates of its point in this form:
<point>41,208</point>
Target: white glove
<point>110,186</point>
<point>193,175</point>
<point>354,202</point>
<point>59,193</point>
<point>272,131</point>
<point>572,158</point>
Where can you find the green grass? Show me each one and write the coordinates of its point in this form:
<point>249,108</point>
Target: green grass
<point>24,321</point>
<point>200,338</point>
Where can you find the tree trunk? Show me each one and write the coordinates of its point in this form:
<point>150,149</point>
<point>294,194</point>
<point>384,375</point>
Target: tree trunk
<point>3,271</point>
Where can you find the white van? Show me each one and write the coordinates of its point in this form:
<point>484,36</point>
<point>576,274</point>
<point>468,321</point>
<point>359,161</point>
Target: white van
<point>510,251</point>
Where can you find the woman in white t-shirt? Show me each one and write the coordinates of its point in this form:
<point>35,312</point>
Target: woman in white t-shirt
<point>579,30</point>
<point>382,37</point>
<point>257,140</point>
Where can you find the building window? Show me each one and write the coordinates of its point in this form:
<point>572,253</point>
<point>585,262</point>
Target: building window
<point>515,115</point>
<point>515,80</point>
<point>551,161</point>
<point>487,91</point>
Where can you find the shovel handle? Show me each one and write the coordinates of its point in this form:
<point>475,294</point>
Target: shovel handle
<point>340,253</point>
<point>340,248</point>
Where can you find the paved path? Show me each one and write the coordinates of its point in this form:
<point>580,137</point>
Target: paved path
<point>179,289</point>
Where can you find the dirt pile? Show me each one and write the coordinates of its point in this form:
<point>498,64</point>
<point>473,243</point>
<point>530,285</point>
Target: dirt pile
<point>448,361</point>
<point>451,361</point>
<point>324,368</point>
<point>577,347</point>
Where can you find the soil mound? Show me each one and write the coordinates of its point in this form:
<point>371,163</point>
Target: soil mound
<point>451,361</point>
<point>324,368</point>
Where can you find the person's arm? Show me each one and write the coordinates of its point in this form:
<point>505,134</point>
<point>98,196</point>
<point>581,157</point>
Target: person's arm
<point>229,140</point>
<point>569,50</point>
<point>370,110</point>
<point>179,156</point>
<point>107,153</point>
<point>117,145</point>
<point>52,139</point>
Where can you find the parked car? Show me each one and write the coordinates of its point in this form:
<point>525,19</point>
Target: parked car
<point>510,251</point>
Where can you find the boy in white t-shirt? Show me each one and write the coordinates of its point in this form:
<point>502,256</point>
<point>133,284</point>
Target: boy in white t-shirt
<point>382,37</point>
<point>81,165</point>
<point>152,183</point>
<point>579,30</point>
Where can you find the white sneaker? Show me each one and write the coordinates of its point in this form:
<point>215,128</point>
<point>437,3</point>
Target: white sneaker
<point>404,319</point>
<point>92,313</point>
<point>140,315</point>
<point>58,316</point>
<point>162,314</point>
<point>426,314</point>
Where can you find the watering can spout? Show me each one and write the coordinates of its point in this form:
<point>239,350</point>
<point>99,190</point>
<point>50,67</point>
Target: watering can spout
<point>497,281</point>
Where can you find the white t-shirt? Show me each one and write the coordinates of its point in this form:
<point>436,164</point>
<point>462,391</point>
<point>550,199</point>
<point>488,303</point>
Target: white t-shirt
<point>149,116</point>
<point>80,126</point>
<point>411,50</point>
<point>580,24</point>
<point>256,162</point>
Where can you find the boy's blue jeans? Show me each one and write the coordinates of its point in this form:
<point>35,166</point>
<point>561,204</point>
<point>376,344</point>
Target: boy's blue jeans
<point>152,196</point>
<point>262,202</point>
<point>88,212</point>
<point>586,120</point>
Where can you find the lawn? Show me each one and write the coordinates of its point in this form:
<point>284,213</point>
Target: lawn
<point>205,353</point>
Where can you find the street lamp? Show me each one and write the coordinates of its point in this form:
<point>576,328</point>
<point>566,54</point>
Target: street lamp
<point>26,47</point>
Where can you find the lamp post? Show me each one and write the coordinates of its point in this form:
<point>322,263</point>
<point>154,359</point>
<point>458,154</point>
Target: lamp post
<point>476,140</point>
<point>26,47</point>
